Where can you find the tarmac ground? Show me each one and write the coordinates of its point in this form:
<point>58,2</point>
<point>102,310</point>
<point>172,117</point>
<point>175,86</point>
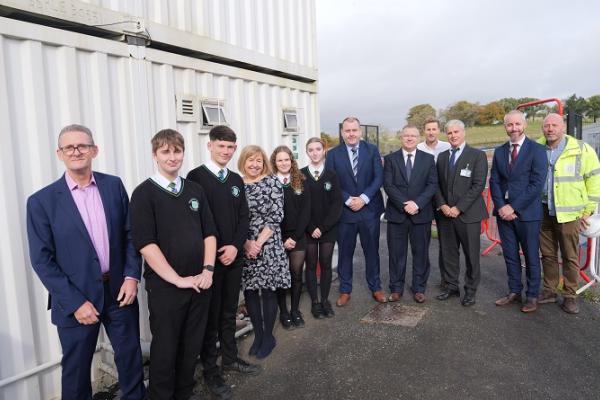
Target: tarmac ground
<point>453,352</point>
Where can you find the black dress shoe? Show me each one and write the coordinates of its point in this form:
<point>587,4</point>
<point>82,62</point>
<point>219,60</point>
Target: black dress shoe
<point>317,310</point>
<point>243,367</point>
<point>327,309</point>
<point>297,319</point>
<point>286,321</point>
<point>217,387</point>
<point>468,300</point>
<point>447,293</point>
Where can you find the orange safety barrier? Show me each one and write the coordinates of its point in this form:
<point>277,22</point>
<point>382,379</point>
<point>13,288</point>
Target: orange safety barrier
<point>489,225</point>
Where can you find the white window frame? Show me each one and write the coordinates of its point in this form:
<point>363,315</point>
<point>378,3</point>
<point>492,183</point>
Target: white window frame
<point>287,127</point>
<point>213,104</point>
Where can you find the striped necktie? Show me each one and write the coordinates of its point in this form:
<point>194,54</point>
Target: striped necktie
<point>221,175</point>
<point>316,175</point>
<point>354,160</point>
<point>172,187</point>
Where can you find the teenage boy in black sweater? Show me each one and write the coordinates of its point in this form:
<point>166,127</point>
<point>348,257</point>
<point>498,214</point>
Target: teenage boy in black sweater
<point>172,227</point>
<point>225,193</point>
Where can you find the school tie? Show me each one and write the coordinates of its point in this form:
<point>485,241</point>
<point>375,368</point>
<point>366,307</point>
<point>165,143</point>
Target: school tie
<point>316,175</point>
<point>354,160</point>
<point>453,158</point>
<point>172,187</point>
<point>409,166</point>
<point>285,181</point>
<point>513,156</point>
<point>221,175</point>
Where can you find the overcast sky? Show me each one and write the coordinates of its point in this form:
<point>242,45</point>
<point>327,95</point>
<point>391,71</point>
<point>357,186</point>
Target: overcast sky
<point>378,58</point>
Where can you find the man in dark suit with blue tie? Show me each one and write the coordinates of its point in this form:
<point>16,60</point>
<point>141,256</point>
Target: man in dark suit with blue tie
<point>517,180</point>
<point>410,181</point>
<point>80,247</point>
<point>462,171</point>
<point>360,171</point>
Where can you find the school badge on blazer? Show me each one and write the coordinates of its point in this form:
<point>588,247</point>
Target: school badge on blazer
<point>194,204</point>
<point>328,186</point>
<point>235,191</point>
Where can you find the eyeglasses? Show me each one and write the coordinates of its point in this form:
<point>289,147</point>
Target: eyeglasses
<point>81,148</point>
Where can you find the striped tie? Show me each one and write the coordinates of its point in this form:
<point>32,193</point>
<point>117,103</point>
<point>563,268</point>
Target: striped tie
<point>316,175</point>
<point>172,187</point>
<point>221,175</point>
<point>354,161</point>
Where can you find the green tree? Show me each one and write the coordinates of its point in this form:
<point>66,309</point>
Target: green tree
<point>330,140</point>
<point>576,104</point>
<point>508,103</point>
<point>490,113</point>
<point>593,103</point>
<point>463,110</point>
<point>419,113</point>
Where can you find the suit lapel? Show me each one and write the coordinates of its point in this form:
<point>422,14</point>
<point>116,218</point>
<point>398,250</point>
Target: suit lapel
<point>362,157</point>
<point>402,165</point>
<point>66,202</point>
<point>347,161</point>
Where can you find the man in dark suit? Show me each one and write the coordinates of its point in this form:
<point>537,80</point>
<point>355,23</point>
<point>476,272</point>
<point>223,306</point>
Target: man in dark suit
<point>359,169</point>
<point>80,247</point>
<point>410,181</point>
<point>462,171</point>
<point>517,180</point>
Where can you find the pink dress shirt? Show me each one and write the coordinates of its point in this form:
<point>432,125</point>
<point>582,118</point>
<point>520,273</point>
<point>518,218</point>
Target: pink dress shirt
<point>89,204</point>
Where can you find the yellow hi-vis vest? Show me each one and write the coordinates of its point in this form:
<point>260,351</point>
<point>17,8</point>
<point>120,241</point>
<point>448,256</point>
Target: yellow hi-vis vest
<point>576,180</point>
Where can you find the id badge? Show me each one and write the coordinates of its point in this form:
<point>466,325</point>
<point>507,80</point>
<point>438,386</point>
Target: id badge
<point>465,172</point>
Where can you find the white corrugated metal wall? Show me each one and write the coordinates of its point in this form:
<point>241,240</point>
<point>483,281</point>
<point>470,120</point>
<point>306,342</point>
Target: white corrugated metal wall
<point>50,78</point>
<point>282,29</point>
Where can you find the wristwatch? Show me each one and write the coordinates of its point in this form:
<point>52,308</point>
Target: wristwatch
<point>210,268</point>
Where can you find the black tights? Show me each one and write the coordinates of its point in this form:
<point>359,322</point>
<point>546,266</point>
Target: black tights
<point>296,264</point>
<point>323,253</point>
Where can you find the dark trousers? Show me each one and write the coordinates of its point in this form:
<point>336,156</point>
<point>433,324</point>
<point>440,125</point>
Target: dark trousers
<point>221,317</point>
<point>525,234</point>
<point>457,234</point>
<point>369,239</point>
<point>177,322</point>
<point>79,344</point>
<point>398,236</point>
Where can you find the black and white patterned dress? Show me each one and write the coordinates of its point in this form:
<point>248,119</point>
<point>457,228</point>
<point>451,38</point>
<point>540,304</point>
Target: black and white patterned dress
<point>270,269</point>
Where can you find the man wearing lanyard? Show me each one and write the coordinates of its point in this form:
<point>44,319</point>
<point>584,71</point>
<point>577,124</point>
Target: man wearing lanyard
<point>516,182</point>
<point>80,247</point>
<point>462,172</point>
<point>570,195</point>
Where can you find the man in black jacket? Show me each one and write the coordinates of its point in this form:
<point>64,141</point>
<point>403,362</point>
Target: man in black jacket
<point>410,181</point>
<point>225,193</point>
<point>462,171</point>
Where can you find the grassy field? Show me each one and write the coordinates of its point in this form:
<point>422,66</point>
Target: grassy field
<point>494,134</point>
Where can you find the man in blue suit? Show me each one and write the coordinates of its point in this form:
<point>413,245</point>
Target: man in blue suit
<point>410,181</point>
<point>360,171</point>
<point>80,247</point>
<point>517,179</point>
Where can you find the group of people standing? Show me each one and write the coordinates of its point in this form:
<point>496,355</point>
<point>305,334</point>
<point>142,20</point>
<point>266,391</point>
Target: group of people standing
<point>205,237</point>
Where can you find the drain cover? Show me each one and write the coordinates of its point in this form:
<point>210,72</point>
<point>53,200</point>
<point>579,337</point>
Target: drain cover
<point>395,314</point>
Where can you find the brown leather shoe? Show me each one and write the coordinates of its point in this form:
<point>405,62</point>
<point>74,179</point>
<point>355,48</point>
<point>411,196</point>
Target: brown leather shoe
<point>530,306</point>
<point>509,299</point>
<point>570,306</point>
<point>343,300</point>
<point>379,296</point>
<point>394,296</point>
<point>419,297</point>
<point>547,297</point>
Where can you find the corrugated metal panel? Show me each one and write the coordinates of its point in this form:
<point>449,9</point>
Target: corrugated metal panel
<point>44,86</point>
<point>278,28</point>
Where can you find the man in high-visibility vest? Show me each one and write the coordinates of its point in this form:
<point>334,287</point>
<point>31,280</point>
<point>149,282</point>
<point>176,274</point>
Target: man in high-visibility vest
<point>571,194</point>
